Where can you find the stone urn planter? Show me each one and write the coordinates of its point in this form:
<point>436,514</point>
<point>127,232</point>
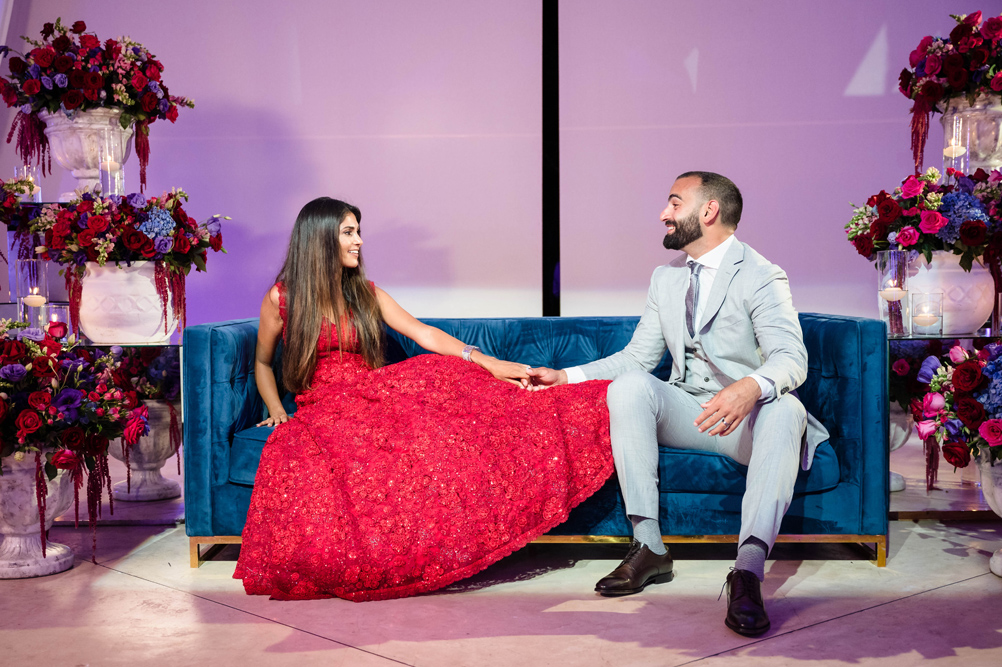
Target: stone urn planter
<point>901,425</point>
<point>119,305</point>
<point>991,487</point>
<point>87,143</point>
<point>968,297</point>
<point>20,537</point>
<point>146,458</point>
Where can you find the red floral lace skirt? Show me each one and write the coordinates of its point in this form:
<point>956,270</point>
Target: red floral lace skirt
<point>401,480</point>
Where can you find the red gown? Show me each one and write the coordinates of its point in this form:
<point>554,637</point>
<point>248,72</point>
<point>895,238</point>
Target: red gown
<point>401,480</point>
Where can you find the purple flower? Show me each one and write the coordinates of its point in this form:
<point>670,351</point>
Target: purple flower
<point>116,350</point>
<point>34,71</point>
<point>213,225</point>
<point>61,80</point>
<point>67,401</point>
<point>116,199</point>
<point>32,333</point>
<point>46,82</point>
<point>13,373</point>
<point>953,427</point>
<point>965,185</point>
<point>163,244</point>
<point>26,108</point>
<point>136,200</point>
<point>154,87</point>
<point>162,106</point>
<point>928,369</point>
<point>4,50</point>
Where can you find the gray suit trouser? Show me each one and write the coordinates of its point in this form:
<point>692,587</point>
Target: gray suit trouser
<point>644,411</point>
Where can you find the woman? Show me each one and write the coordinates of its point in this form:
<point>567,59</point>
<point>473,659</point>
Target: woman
<point>394,480</point>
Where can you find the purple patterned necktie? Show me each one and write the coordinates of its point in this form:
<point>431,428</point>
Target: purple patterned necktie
<point>692,296</point>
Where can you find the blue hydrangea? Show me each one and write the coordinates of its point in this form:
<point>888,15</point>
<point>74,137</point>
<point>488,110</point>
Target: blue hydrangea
<point>991,397</point>
<point>158,223</point>
<point>959,207</point>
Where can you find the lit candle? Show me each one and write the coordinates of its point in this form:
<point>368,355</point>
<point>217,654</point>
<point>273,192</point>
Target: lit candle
<point>34,300</point>
<point>954,151</point>
<point>925,319</point>
<point>110,166</point>
<point>892,293</point>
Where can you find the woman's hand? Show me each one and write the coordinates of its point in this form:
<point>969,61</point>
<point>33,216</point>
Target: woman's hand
<point>508,371</point>
<point>275,420</point>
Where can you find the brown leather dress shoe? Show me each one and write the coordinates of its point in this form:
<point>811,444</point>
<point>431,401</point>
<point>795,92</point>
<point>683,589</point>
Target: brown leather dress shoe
<point>745,609</point>
<point>640,567</point>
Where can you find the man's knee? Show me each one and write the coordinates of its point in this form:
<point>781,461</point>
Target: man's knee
<point>628,389</point>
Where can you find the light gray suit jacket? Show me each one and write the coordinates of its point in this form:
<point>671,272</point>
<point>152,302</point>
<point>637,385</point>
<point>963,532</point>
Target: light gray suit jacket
<point>749,326</point>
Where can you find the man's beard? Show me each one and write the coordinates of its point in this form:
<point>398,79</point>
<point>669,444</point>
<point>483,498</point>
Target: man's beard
<point>687,230</point>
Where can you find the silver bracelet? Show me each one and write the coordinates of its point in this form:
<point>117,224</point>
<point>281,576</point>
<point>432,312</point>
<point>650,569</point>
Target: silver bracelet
<point>468,352</point>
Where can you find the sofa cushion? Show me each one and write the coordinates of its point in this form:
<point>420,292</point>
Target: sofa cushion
<point>684,471</point>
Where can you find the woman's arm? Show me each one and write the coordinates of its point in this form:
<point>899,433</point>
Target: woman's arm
<point>268,334</point>
<point>436,340</point>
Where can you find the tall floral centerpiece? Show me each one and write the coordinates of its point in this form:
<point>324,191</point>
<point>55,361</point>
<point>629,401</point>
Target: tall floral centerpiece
<point>69,73</point>
<point>59,409</point>
<point>951,228</point>
<point>959,74</point>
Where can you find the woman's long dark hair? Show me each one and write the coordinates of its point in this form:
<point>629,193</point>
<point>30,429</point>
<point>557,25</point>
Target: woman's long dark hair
<point>317,284</point>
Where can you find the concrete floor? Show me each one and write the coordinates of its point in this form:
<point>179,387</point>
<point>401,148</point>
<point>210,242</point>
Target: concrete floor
<point>935,602</point>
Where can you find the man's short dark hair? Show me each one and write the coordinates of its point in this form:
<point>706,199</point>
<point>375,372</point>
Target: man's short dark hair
<point>723,190</point>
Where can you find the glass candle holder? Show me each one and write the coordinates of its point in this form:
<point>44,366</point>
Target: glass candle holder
<point>892,291</point>
<point>111,159</point>
<point>57,313</point>
<point>30,173</point>
<point>32,290</point>
<point>927,314</point>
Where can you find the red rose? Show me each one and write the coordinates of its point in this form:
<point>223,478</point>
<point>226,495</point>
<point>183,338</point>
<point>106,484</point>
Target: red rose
<point>969,43</point>
<point>64,459</point>
<point>905,82</point>
<point>3,409</point>
<point>961,31</point>
<point>992,29</point>
<point>973,233</point>
<point>967,375</point>
<point>864,244</point>
<point>181,244</point>
<point>86,206</point>
<point>10,94</point>
<point>16,65</point>
<point>27,422</point>
<point>970,411</point>
<point>13,351</point>
<point>112,49</point>
<point>148,102</point>
<point>76,79</point>
<point>153,71</point>
<point>172,112</point>
<point>62,44</point>
<point>39,400</point>
<point>78,27</point>
<point>952,62</point>
<point>97,445</point>
<point>89,42</point>
<point>133,238</point>
<point>97,223</point>
<point>72,99</point>
<point>216,242</point>
<point>889,211</point>
<point>91,94</point>
<point>147,249</point>
<point>135,429</point>
<point>879,230</point>
<point>43,57</point>
<point>138,80</point>
<point>42,367</point>
<point>973,19</point>
<point>979,57</point>
<point>932,64</point>
<point>93,80</point>
<point>85,238</point>
<point>131,400</point>
<point>31,86</point>
<point>58,329</point>
<point>979,176</point>
<point>956,454</point>
<point>63,63</point>
<point>957,78</point>
<point>50,347</point>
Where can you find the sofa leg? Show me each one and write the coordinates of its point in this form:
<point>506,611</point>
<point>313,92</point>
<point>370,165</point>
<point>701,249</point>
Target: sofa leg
<point>216,544</point>
<point>882,551</point>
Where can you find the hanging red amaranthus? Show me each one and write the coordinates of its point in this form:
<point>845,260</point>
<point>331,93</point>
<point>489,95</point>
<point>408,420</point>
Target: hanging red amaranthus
<point>32,144</point>
<point>142,142</point>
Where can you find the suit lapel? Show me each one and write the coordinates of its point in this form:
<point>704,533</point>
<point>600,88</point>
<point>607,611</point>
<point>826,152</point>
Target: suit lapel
<point>728,268</point>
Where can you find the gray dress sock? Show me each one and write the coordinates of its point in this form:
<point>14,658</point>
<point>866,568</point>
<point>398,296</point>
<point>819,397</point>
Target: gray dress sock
<point>648,532</point>
<point>751,557</point>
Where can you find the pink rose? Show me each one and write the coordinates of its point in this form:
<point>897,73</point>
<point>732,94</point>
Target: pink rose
<point>958,354</point>
<point>933,404</point>
<point>908,236</point>
<point>932,64</point>
<point>901,367</point>
<point>912,187</point>
<point>911,211</point>
<point>991,431</point>
<point>932,222</point>
<point>992,29</point>
<point>996,82</point>
<point>926,428</point>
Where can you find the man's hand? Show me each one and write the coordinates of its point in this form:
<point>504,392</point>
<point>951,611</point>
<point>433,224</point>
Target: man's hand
<point>729,407</point>
<point>542,378</point>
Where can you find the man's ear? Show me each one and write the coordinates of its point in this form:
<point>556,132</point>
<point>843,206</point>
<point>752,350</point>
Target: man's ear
<point>711,210</point>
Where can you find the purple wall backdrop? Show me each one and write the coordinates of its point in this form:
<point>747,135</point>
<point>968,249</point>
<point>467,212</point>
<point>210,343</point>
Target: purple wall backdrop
<point>427,116</point>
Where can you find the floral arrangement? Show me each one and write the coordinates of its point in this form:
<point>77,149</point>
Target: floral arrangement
<point>962,409</point>
<point>62,405</point>
<point>906,357</point>
<point>961,216</point>
<point>71,70</point>
<point>118,229</point>
<point>968,63</point>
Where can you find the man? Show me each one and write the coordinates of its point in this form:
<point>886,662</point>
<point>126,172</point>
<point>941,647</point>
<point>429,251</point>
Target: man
<point>726,315</point>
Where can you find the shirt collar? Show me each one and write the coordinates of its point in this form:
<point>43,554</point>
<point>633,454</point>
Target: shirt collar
<point>712,259</point>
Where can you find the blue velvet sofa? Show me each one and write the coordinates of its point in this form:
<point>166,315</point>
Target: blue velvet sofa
<point>843,498</point>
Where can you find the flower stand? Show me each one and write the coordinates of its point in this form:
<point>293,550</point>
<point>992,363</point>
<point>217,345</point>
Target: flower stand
<point>119,304</point>
<point>146,458</point>
<point>991,487</point>
<point>968,298</point>
<point>77,144</point>
<point>21,551</point>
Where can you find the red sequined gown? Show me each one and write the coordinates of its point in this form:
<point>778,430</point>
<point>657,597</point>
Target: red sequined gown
<point>401,480</point>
